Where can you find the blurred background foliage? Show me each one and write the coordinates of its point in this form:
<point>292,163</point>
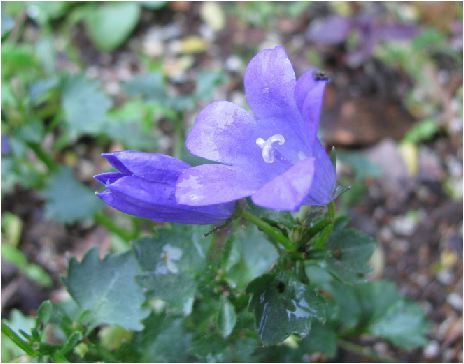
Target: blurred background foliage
<point>82,78</point>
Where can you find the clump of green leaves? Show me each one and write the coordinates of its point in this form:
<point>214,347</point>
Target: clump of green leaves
<point>186,294</point>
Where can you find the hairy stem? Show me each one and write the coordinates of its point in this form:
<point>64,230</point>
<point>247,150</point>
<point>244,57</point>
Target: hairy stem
<point>275,235</point>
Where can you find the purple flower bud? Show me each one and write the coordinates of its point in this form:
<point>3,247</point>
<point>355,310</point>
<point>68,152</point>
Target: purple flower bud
<point>145,185</point>
<point>272,155</point>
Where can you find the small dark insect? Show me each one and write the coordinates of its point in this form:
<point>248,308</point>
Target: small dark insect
<point>320,76</point>
<point>281,287</point>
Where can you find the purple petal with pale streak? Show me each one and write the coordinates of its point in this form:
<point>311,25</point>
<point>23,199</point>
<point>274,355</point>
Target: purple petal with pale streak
<point>108,178</point>
<point>224,132</point>
<point>309,96</point>
<point>215,183</point>
<point>150,166</point>
<point>287,191</point>
<point>324,180</point>
<point>269,82</point>
<point>156,201</point>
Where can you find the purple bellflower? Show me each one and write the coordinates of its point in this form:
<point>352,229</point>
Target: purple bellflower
<point>145,186</point>
<point>371,29</point>
<point>272,154</point>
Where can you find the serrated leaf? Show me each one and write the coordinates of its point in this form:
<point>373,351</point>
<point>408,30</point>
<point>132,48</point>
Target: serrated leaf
<point>283,306</point>
<point>169,263</point>
<point>163,340</point>
<point>107,289</point>
<point>85,105</point>
<point>227,317</point>
<point>111,23</point>
<point>322,339</point>
<point>403,324</point>
<point>250,256</point>
<point>389,316</point>
<point>350,254</point>
<point>376,297</point>
<point>67,200</point>
<point>347,310</point>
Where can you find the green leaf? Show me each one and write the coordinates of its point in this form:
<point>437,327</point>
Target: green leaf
<point>44,313</point>
<point>111,23</point>
<point>17,61</point>
<point>347,310</point>
<point>206,82</point>
<point>376,297</point>
<point>107,288</point>
<point>7,23</point>
<point>67,199</point>
<point>403,324</point>
<point>350,253</point>
<point>84,104</point>
<point>421,131</point>
<point>32,271</point>
<point>169,263</point>
<point>322,339</point>
<point>284,306</point>
<point>163,340</point>
<point>250,255</point>
<point>386,314</point>
<point>227,317</point>
<point>44,11</point>
<point>361,166</point>
<point>150,86</point>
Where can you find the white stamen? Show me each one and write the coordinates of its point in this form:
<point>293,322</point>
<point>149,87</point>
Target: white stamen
<point>266,146</point>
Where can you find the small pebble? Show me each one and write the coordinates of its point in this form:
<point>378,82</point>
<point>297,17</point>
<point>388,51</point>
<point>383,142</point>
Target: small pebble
<point>385,234</point>
<point>234,64</point>
<point>455,301</point>
<point>445,276</point>
<point>431,350</point>
<point>403,225</point>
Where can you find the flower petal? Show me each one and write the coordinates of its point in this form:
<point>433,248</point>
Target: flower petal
<point>287,191</point>
<point>309,95</point>
<point>150,166</point>
<point>156,201</point>
<point>223,132</point>
<point>108,178</point>
<point>214,183</point>
<point>324,180</point>
<point>269,82</point>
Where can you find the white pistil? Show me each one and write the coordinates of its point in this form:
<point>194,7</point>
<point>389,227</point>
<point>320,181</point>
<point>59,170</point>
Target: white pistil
<point>266,146</point>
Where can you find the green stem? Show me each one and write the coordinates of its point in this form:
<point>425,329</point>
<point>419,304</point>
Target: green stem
<point>178,137</point>
<point>23,345</point>
<point>105,221</point>
<point>362,351</point>
<point>275,235</point>
<point>43,157</point>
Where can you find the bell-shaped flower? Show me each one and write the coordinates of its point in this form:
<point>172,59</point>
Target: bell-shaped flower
<point>272,155</point>
<point>144,186</point>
